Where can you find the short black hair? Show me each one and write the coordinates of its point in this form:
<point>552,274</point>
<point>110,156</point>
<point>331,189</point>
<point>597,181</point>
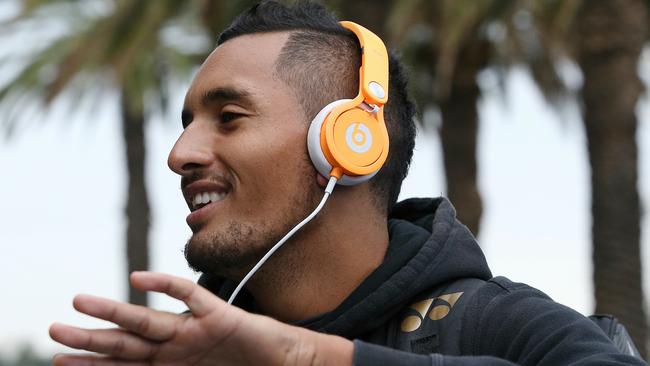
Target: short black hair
<point>320,61</point>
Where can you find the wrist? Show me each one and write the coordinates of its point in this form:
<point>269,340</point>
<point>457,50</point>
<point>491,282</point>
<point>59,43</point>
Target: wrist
<point>331,350</point>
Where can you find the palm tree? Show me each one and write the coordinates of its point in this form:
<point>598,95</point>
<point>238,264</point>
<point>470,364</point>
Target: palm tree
<point>445,43</point>
<point>612,34</point>
<point>121,48</point>
<point>605,38</point>
<point>449,42</point>
<point>130,53</point>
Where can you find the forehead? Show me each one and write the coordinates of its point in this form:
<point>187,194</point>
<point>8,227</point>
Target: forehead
<point>245,63</point>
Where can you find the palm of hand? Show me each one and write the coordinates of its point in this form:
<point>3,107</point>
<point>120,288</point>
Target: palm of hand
<point>214,333</point>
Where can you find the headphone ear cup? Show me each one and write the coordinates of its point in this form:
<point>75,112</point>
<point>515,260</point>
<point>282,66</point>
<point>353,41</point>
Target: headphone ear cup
<point>347,180</point>
<point>315,149</point>
<point>313,139</point>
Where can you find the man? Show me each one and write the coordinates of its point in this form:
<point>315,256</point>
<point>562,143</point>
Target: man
<point>353,286</point>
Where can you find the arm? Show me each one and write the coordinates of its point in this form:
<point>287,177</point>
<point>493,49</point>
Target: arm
<point>366,354</point>
<point>213,333</point>
<point>513,324</point>
<point>520,323</point>
<point>535,331</point>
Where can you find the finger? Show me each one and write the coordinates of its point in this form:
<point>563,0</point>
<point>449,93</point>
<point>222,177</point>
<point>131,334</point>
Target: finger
<point>90,360</point>
<point>152,324</point>
<point>113,342</point>
<point>199,300</point>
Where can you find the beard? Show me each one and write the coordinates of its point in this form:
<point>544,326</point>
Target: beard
<point>234,249</point>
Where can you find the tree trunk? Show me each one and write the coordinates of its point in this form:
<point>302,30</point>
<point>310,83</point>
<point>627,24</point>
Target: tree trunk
<point>611,36</point>
<point>137,207</point>
<point>458,134</point>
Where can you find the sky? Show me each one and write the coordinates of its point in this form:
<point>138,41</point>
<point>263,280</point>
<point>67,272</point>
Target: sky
<point>62,204</point>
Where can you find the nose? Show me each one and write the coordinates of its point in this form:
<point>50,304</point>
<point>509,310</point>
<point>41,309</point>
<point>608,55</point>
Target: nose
<point>191,151</point>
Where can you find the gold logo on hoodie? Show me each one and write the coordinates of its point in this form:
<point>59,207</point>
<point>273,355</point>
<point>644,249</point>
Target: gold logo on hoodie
<point>442,307</point>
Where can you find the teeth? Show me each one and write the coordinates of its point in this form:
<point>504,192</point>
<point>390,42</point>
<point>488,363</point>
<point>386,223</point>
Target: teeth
<point>207,197</point>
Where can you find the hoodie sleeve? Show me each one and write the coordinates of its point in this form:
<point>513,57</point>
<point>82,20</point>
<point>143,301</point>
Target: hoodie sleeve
<point>367,354</point>
<point>508,323</point>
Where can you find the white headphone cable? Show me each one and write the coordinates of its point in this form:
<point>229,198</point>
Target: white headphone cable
<point>328,190</point>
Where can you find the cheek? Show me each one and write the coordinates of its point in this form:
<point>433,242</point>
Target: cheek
<point>275,161</point>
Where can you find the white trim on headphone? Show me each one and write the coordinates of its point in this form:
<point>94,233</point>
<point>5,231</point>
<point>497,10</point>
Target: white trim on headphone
<point>316,152</point>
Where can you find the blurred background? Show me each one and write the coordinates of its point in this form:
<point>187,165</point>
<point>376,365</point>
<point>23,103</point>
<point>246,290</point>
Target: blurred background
<point>533,119</point>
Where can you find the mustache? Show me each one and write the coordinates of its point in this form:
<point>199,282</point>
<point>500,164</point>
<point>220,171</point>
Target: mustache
<point>197,175</point>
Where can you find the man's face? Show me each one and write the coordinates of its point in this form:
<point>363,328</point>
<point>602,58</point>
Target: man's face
<point>246,175</point>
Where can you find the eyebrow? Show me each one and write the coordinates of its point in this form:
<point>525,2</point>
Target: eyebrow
<point>213,96</point>
<point>223,94</point>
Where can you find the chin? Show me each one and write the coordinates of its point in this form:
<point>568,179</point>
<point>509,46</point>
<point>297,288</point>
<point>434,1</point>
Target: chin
<point>225,252</point>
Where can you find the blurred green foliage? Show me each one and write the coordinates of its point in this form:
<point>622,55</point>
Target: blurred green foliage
<point>25,357</point>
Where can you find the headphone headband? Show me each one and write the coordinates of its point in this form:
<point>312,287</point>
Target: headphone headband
<point>373,73</point>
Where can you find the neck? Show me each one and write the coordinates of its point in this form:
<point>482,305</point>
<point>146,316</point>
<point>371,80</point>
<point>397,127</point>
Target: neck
<point>323,263</point>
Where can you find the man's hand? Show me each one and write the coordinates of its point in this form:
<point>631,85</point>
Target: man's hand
<point>215,333</point>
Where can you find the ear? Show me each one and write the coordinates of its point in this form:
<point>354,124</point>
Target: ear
<point>322,181</point>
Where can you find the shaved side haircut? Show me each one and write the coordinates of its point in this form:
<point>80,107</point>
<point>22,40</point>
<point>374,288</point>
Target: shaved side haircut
<point>320,61</point>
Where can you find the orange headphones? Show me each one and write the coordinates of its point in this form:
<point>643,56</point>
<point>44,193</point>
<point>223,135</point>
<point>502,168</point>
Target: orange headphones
<point>348,138</point>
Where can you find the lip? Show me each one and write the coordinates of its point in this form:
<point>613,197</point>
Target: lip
<point>196,217</point>
<point>200,186</point>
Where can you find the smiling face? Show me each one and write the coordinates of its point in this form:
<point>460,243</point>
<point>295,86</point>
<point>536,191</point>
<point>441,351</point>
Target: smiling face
<point>242,156</point>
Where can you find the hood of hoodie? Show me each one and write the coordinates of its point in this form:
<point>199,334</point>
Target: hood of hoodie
<point>428,247</point>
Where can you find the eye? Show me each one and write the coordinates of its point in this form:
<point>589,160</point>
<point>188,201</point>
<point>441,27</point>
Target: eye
<point>186,118</point>
<point>226,117</point>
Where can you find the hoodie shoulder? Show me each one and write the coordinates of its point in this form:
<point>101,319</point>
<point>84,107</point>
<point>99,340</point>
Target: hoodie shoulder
<point>519,323</point>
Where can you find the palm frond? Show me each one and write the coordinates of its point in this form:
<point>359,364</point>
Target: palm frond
<point>460,22</point>
<point>31,82</point>
<point>406,14</point>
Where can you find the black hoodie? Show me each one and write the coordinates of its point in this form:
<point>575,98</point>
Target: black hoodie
<point>501,322</point>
